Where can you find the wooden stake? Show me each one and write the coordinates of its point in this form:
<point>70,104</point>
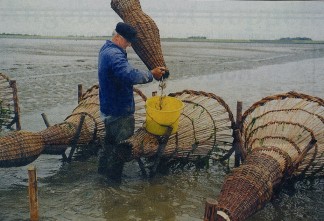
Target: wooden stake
<point>13,85</point>
<point>239,143</point>
<point>239,109</point>
<point>80,92</point>
<point>76,137</point>
<point>47,123</point>
<point>142,167</point>
<point>45,120</point>
<point>210,209</point>
<point>33,195</point>
<point>163,140</point>
<point>238,154</point>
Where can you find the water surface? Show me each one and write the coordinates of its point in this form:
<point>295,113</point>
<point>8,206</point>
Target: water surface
<point>47,74</point>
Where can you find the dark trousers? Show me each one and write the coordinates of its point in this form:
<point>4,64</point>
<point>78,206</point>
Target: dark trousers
<point>112,155</point>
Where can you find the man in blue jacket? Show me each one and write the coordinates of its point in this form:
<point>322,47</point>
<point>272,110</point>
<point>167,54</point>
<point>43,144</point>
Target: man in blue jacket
<point>117,107</point>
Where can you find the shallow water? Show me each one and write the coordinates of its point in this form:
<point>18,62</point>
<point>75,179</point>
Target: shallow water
<point>47,74</point>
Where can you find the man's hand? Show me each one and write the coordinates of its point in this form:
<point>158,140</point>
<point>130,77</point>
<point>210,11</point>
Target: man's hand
<point>158,72</point>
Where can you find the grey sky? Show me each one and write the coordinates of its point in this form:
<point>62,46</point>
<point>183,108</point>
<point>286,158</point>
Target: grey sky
<point>175,18</point>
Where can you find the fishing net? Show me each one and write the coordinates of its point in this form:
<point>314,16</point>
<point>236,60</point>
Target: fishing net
<point>147,46</point>
<point>205,129</point>
<point>279,134</point>
<point>8,114</point>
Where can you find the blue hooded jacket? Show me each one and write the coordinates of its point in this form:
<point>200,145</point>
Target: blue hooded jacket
<point>116,79</point>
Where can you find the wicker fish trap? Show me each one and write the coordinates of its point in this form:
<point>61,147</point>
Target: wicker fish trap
<point>288,122</point>
<point>20,148</point>
<point>249,187</point>
<point>7,109</point>
<point>283,137</point>
<point>91,96</point>
<point>60,136</point>
<point>147,46</point>
<point>205,128</point>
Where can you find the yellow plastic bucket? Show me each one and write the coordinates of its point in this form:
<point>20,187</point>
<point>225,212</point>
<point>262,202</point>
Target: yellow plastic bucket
<point>157,119</point>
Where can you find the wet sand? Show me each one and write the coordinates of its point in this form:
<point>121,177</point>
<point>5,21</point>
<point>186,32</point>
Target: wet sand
<point>48,70</point>
<point>47,74</point>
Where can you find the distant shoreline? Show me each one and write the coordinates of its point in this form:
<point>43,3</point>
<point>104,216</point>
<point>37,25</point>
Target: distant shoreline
<point>189,39</point>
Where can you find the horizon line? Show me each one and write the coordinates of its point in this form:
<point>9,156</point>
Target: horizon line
<point>190,38</point>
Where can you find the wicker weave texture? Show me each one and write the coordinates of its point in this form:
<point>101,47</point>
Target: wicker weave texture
<point>279,134</point>
<point>288,122</point>
<point>249,187</point>
<point>147,46</point>
<point>93,129</point>
<point>20,148</point>
<point>205,128</point>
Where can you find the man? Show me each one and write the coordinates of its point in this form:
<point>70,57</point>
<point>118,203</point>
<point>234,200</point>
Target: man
<point>116,80</point>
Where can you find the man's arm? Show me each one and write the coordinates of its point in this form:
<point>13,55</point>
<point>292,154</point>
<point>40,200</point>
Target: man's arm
<point>122,69</point>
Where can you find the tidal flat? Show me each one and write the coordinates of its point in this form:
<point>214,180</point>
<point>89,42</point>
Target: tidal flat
<point>48,72</point>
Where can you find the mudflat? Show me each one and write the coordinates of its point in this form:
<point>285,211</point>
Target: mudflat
<point>48,70</point>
